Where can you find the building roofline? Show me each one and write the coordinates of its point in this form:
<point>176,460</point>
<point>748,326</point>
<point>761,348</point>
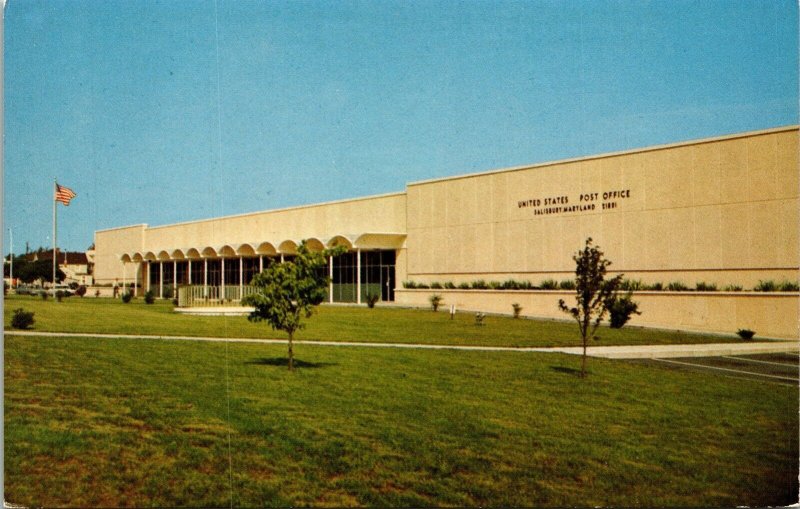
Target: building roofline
<point>651,148</point>
<point>122,227</point>
<point>293,207</point>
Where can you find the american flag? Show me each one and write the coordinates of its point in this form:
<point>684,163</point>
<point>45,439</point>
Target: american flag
<point>64,194</point>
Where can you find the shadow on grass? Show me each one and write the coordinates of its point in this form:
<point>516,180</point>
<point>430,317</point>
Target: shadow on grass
<point>284,362</point>
<point>568,371</point>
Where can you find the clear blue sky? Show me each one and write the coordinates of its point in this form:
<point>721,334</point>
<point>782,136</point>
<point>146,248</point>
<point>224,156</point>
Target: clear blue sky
<point>318,101</point>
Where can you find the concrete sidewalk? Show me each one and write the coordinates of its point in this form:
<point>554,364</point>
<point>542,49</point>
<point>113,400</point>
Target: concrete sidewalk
<point>608,352</point>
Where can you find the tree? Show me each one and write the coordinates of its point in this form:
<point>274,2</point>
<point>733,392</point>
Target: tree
<point>287,292</point>
<point>593,293</point>
<point>29,272</point>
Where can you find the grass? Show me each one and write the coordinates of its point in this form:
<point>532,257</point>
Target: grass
<point>92,422</point>
<point>332,323</point>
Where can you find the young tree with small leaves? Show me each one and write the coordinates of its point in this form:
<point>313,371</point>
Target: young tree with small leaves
<point>286,293</point>
<point>593,293</point>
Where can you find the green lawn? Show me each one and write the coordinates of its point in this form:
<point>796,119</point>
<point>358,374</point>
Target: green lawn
<point>332,323</point>
<point>114,422</point>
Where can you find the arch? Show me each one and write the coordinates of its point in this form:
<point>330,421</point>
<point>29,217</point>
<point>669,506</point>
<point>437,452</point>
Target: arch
<point>208,252</point>
<point>315,245</point>
<point>266,248</point>
<point>245,250</point>
<point>340,240</point>
<point>288,247</point>
<point>125,258</point>
<point>150,256</point>
<point>137,257</point>
<point>177,254</point>
<point>192,253</point>
<point>163,255</point>
<point>227,250</point>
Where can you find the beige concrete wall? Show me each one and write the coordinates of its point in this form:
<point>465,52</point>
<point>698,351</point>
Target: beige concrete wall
<point>109,246</point>
<point>722,211</point>
<point>769,314</point>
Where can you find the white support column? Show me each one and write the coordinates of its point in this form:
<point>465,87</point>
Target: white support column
<point>222,276</point>
<point>241,276</point>
<point>189,272</point>
<point>160,280</point>
<point>147,279</point>
<point>281,257</point>
<point>174,279</point>
<point>358,276</point>
<point>261,263</point>
<point>330,277</point>
<point>205,277</point>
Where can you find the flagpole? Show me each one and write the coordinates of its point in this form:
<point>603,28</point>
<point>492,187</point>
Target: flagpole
<point>55,240</point>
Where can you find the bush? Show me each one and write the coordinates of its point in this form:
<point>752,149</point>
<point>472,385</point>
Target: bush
<point>655,287</point>
<point>632,285</point>
<point>73,285</point>
<point>436,301</point>
<point>44,295</point>
<point>80,291</point>
<point>517,309</point>
<point>127,296</point>
<point>372,298</point>
<point>705,287</point>
<point>168,292</point>
<point>677,286</point>
<point>732,288</point>
<point>22,319</point>
<point>463,286</point>
<point>746,334</point>
<point>449,285</point>
<point>59,295</point>
<point>549,284</point>
<point>788,286</point>
<point>436,285</point>
<point>567,284</point>
<point>479,318</point>
<point>479,285</point>
<point>149,297</point>
<point>409,284</point>
<point>765,286</point>
<point>620,310</point>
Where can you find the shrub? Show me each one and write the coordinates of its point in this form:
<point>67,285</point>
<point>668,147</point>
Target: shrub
<point>97,293</point>
<point>464,286</point>
<point>149,297</point>
<point>732,288</point>
<point>372,298</point>
<point>620,310</point>
<point>479,318</point>
<point>175,302</point>
<point>632,285</point>
<point>677,286</point>
<point>127,296</point>
<point>22,319</point>
<point>495,285</point>
<point>436,301</point>
<point>409,284</point>
<point>423,286</point>
<point>59,295</point>
<point>567,284</point>
<point>517,309</point>
<point>746,334</point>
<point>80,291</point>
<point>655,287</point>
<point>168,292</point>
<point>436,285</point>
<point>73,285</point>
<point>44,295</point>
<point>549,284</point>
<point>449,285</point>
<point>479,285</point>
<point>705,287</point>
<point>788,286</point>
<point>765,286</point>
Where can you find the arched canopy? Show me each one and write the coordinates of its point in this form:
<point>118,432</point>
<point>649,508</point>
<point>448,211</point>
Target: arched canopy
<point>266,248</point>
<point>314,245</point>
<point>288,247</point>
<point>208,252</point>
<point>163,255</point>
<point>340,240</point>
<point>137,257</point>
<point>177,254</point>
<point>227,250</point>
<point>150,256</point>
<point>125,258</point>
<point>192,253</point>
<point>245,250</point>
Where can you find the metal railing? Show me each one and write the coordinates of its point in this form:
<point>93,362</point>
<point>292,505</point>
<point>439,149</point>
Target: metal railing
<point>212,296</point>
